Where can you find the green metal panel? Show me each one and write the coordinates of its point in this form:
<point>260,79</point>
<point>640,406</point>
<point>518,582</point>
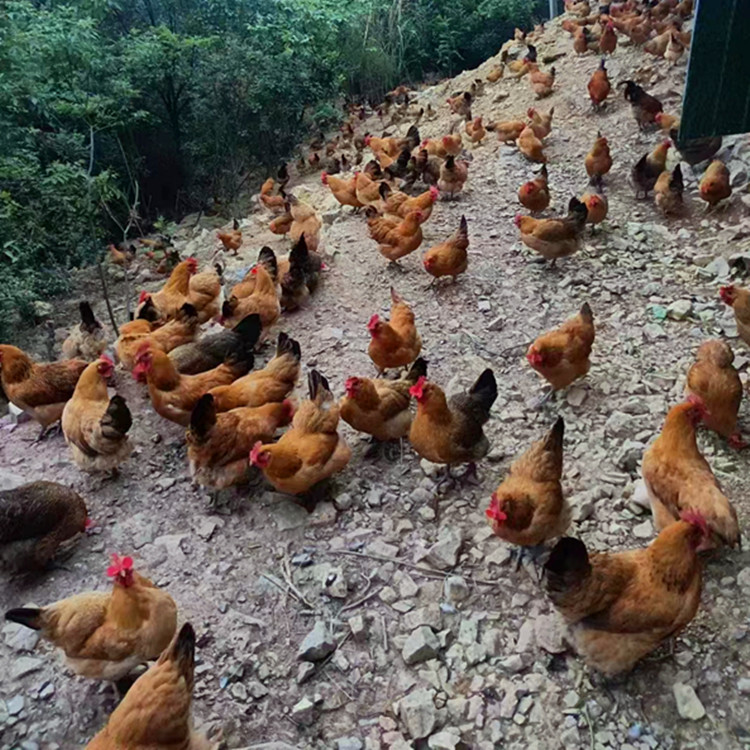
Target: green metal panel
<point>717,94</point>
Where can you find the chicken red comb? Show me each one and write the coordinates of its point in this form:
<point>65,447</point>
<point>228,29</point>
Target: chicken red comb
<point>192,265</point>
<point>517,220</point>
<point>143,347</point>
<point>434,193</point>
<point>324,177</point>
<point>493,512</point>
<point>289,406</point>
<point>694,518</point>
<point>350,385</point>
<point>105,358</point>
<point>417,390</point>
<point>119,565</point>
<point>372,324</point>
<point>255,453</point>
<point>254,271</point>
<point>727,294</point>
<point>89,524</point>
<point>143,297</point>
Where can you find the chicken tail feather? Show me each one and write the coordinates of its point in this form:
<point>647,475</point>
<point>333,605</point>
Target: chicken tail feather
<point>182,653</point>
<point>249,330</point>
<point>88,319</point>
<point>586,312</point>
<point>417,370</point>
<point>287,345</point>
<point>485,389</point>
<point>567,565</point>
<point>267,257</point>
<point>315,383</point>
<point>29,617</point>
<point>203,417</point>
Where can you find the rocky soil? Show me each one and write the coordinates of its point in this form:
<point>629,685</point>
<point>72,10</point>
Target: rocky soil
<point>371,623</point>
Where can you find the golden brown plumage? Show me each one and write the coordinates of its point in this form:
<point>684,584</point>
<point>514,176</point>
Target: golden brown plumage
<point>598,160</point>
<point>453,175</point>
<point>554,238</point>
<point>668,191</point>
<point>620,606</point>
<point>715,185</point>
<point>528,508</point>
<point>394,343</point>
<point>562,356</point>
<point>263,301</point>
<point>678,478</point>
<point>739,300</point>
<point>530,146</point>
<point>87,340</point>
<point>396,237</point>
<point>534,194</point>
<point>449,258</point>
<point>106,635</point>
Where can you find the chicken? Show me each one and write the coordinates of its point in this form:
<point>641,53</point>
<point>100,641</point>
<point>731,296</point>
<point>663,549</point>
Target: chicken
<point>675,48</point>
<point>301,275</point>
<point>381,407</point>
<point>496,73</point>
<point>95,426</point>
<point>155,712</point>
<point>715,184</point>
<point>508,130</point>
<point>620,606</point>
<point>394,343</point>
<point>449,258</point>
<point>668,191</point>
<point>657,45</point>
<point>401,204</point>
<point>534,194</point>
<point>598,160</point>
<point>450,431</point>
<point>644,106</point>
<point>271,384</point>
<point>366,189</point>
<point>104,636</point>
<point>311,450</point>
<point>541,122</point>
<point>528,508</point>
<point>739,300</point>
<point>599,86</point>
<point>714,379</point>
<point>306,223</point>
<point>678,478</point>
<point>282,223</point>
<point>168,301</point>
<point>646,172</point>
<point>667,122</point>
<point>608,39</point>
<point>37,520</point>
<point>541,82</point>
<point>344,191</point>
<point>427,167</point>
<point>530,146</point>
<point>122,256</point>
<point>274,203</point>
<point>452,145</point>
<point>475,130</point>
<point>264,301</point>
<point>87,340</point>
<point>460,104</point>
<point>396,239</point>
<point>596,202</point>
<point>554,238</point>
<point>39,389</point>
<point>211,350</point>
<point>219,443</point>
<point>173,395</point>
<point>561,356</point>
<point>581,40</point>
<point>231,240</point>
<point>453,174</point>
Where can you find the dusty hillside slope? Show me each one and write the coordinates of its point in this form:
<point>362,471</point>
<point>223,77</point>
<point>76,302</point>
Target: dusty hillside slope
<point>255,578</point>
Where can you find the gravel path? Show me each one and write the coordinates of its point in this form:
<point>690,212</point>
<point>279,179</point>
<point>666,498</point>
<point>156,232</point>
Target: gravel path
<point>437,634</point>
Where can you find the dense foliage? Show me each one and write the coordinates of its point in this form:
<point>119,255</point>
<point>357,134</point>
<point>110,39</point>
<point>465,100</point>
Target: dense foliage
<point>113,112</point>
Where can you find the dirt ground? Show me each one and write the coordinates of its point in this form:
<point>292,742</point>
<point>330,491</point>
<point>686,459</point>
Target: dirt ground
<point>255,575</point>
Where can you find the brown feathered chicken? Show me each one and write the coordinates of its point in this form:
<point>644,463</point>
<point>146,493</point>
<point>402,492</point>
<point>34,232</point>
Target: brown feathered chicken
<point>231,240</point>
<point>344,191</point>
<point>173,395</point>
<point>715,185</point>
<point>540,122</point>
<point>528,508</point>
<point>179,331</point>
<point>87,340</point>
<point>36,520</point>
<point>460,104</point>
<point>531,146</point>
<point>394,343</point>
<point>496,73</point>
<point>668,191</point>
<point>561,356</point>
<point>299,275</point>
<point>475,130</point>
<point>620,606</point>
<point>678,478</point>
<point>608,39</point>
<point>599,86</point>
<point>739,300</point>
<point>554,238</point>
<point>309,452</point>
<point>271,384</point>
<point>596,202</point>
<point>306,223</point>
<point>541,82</point>
<point>453,175</point>
<point>598,160</point>
<point>450,431</point>
<point>381,407</point>
<point>534,194</point>
<point>263,301</point>
<point>646,172</point>
<point>714,379</point>
<point>96,426</point>
<point>274,203</point>
<point>401,204</point>
<point>219,443</point>
<point>508,130</point>
<point>156,713</point>
<point>396,237</point>
<point>644,106</point>
<point>449,258</point>
<point>104,636</point>
<point>39,389</point>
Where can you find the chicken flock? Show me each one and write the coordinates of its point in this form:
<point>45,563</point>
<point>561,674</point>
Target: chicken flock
<point>240,421</point>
